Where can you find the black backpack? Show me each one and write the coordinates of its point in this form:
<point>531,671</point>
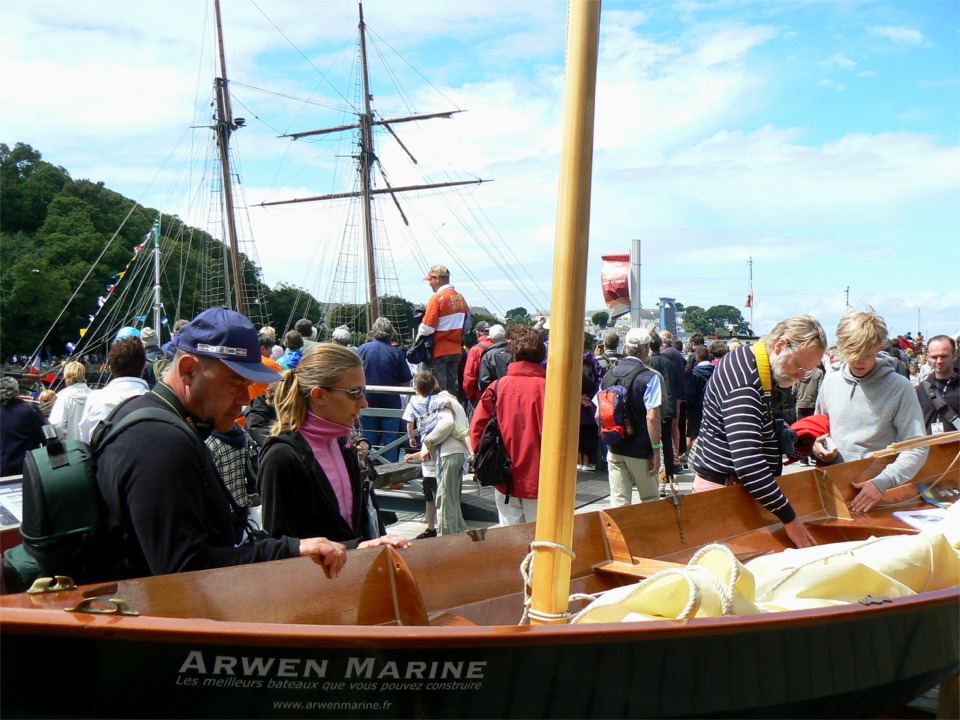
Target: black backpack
<point>491,465</point>
<point>62,525</point>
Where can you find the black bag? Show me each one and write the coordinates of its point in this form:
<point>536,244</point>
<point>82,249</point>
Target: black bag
<point>491,466</point>
<point>421,351</point>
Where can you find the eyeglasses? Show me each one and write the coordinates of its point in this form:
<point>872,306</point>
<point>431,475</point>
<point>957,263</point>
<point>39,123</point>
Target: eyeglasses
<point>354,393</point>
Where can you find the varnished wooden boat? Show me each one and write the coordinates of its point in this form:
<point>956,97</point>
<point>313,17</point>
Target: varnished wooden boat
<point>432,631</point>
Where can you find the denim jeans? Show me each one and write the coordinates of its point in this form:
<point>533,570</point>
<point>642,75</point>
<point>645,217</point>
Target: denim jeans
<point>382,431</point>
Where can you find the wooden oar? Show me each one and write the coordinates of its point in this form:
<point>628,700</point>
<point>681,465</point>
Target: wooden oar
<point>558,478</point>
<point>917,442</point>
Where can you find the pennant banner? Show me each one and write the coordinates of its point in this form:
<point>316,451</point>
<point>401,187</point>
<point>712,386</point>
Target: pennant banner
<point>615,281</point>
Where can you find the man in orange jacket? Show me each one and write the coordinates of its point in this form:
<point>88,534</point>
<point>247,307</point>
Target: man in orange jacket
<point>445,318</point>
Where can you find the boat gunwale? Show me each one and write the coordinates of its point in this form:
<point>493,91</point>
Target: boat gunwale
<point>43,621</point>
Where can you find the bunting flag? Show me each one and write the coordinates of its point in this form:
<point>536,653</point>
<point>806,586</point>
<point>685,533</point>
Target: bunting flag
<point>71,347</point>
<point>615,282</point>
<point>90,319</point>
<point>142,318</point>
<point>111,287</point>
<point>749,300</point>
<point>83,331</point>
<point>100,301</point>
<point>163,321</point>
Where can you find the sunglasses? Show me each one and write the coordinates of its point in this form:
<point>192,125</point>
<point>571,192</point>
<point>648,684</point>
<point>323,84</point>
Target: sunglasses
<point>354,393</point>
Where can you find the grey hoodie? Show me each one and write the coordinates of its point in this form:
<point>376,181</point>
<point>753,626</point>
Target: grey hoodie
<point>872,412</point>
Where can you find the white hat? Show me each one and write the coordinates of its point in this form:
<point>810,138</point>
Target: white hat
<point>637,337</point>
<point>497,333</point>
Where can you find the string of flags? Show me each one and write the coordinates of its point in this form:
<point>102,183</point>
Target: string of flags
<point>111,288</point>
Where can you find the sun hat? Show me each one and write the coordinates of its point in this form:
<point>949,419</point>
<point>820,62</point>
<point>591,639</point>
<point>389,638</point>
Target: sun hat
<point>229,337</point>
<point>636,337</point>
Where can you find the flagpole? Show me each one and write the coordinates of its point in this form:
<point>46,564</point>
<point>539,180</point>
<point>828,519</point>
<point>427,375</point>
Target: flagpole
<point>156,279</point>
<point>750,265</point>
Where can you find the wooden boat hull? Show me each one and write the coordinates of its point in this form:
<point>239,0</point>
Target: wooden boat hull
<point>431,631</point>
<point>842,662</point>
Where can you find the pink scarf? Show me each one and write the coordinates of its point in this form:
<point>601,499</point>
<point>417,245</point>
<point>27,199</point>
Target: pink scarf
<point>321,435</point>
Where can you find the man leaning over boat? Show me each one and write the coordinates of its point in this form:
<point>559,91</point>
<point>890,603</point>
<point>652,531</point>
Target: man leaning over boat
<point>739,441</point>
<point>167,509</point>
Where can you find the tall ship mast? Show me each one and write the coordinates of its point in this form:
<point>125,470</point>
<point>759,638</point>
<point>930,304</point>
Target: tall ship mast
<point>367,161</point>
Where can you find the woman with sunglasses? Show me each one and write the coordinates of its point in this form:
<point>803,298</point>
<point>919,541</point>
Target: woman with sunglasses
<point>310,476</point>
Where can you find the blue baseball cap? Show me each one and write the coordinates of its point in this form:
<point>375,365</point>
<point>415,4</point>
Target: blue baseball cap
<point>229,337</point>
<point>127,332</point>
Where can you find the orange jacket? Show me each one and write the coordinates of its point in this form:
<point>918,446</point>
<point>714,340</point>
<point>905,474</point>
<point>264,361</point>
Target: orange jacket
<point>446,313</point>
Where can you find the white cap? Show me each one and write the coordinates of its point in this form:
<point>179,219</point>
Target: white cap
<point>636,337</point>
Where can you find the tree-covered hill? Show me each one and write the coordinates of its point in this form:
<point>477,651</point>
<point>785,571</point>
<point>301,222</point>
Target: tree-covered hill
<point>53,230</point>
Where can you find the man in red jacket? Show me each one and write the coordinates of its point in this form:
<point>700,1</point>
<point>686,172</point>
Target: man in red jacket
<point>446,316</point>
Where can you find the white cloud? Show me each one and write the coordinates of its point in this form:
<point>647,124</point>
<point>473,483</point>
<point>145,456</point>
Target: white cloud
<point>904,35</point>
<point>833,85</point>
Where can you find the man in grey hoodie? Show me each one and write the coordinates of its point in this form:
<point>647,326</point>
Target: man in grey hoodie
<point>870,406</point>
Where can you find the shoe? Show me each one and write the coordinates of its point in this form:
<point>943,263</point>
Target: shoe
<point>589,468</point>
<point>663,490</point>
<point>579,468</point>
<point>426,534</point>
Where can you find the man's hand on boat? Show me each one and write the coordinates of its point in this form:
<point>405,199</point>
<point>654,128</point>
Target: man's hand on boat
<point>393,540</point>
<point>330,555</point>
<point>868,496</point>
<point>798,534</point>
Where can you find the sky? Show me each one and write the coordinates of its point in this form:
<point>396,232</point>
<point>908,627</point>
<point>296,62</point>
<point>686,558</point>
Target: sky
<point>810,145</point>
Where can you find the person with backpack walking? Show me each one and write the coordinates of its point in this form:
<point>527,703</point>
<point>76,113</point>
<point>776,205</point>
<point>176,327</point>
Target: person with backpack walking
<point>471,368</point>
<point>517,400</point>
<point>629,418</point>
<point>494,360</point>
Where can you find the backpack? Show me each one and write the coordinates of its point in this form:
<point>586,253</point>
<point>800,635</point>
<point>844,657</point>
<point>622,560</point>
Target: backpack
<point>608,360</point>
<point>588,381</point>
<point>491,465</point>
<point>616,421</point>
<point>697,385</point>
<point>494,361</point>
<point>63,527</point>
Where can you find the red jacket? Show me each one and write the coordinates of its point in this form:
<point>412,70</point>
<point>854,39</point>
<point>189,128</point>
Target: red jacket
<point>471,369</point>
<point>520,398</point>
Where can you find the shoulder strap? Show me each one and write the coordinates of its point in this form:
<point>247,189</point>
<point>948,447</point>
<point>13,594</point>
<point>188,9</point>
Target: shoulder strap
<point>936,397</point>
<point>111,429</point>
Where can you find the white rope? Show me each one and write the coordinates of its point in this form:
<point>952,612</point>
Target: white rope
<point>526,572</point>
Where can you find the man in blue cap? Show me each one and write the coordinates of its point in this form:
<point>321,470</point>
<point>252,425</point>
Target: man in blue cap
<point>167,507</point>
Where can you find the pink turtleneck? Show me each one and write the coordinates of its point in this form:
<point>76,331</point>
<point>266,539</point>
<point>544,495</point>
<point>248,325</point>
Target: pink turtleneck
<point>321,435</point>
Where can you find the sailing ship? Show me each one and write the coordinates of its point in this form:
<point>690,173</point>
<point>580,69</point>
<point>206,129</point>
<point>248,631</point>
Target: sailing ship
<point>479,624</point>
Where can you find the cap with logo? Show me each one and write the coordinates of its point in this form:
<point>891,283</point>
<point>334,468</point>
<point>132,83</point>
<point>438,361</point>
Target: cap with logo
<point>229,337</point>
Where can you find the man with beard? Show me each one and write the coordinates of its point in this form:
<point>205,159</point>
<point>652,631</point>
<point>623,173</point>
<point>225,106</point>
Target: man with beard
<point>738,435</point>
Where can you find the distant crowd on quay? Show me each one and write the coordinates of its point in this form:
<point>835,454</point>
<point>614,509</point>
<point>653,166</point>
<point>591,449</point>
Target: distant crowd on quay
<point>273,443</point>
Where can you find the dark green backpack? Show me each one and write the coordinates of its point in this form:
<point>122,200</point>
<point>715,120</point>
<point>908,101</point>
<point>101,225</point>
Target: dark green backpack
<point>62,515</point>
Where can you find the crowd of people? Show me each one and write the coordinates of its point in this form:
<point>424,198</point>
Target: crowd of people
<point>270,454</point>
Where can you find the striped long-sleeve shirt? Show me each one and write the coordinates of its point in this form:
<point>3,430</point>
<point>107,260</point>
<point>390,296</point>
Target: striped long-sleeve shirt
<point>738,433</point>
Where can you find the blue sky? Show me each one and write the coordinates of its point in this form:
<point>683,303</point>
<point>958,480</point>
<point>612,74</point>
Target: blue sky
<point>819,139</point>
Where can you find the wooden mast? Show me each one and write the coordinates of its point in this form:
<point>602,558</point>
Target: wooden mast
<point>225,126</point>
<point>558,479</point>
<point>366,160</point>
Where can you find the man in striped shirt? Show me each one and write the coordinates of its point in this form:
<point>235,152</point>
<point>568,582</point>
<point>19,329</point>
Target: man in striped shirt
<point>445,317</point>
<point>738,438</point>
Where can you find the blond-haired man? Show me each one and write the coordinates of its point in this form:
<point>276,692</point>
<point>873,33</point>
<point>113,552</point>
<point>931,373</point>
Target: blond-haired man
<point>870,406</point>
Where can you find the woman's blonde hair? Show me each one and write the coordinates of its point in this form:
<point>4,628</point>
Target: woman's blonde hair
<point>74,372</point>
<point>324,364</point>
<point>859,333</point>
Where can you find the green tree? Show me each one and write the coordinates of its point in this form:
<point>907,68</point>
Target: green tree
<point>470,339</point>
<point>289,303</point>
<point>399,311</point>
<point>351,315</point>
<point>722,317</point>
<point>518,315</point>
<point>27,186</point>
<point>600,319</point>
<point>695,320</point>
